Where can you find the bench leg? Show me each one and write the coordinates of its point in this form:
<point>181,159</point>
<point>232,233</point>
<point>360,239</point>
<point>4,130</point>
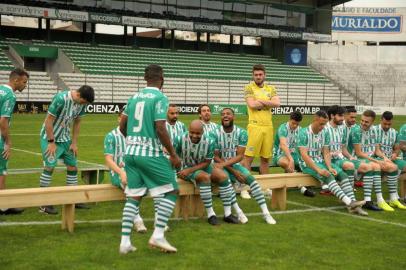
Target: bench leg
<point>182,207</point>
<point>279,198</point>
<point>197,206</point>
<point>402,185</point>
<point>68,217</point>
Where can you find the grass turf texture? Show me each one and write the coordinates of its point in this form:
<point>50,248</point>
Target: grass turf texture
<point>320,238</point>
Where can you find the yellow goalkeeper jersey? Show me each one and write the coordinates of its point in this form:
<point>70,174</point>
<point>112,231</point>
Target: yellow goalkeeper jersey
<point>264,116</point>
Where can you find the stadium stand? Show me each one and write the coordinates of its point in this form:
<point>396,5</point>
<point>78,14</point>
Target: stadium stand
<point>371,84</point>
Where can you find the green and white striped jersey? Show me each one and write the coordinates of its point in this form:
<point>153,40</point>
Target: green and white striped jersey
<point>143,110</point>
<point>314,144</point>
<point>7,103</point>
<point>387,140</point>
<point>210,128</point>
<point>65,111</point>
<point>193,154</point>
<point>292,137</point>
<point>114,145</point>
<point>227,143</point>
<point>367,139</point>
<point>337,140</point>
<point>175,130</point>
<point>402,138</point>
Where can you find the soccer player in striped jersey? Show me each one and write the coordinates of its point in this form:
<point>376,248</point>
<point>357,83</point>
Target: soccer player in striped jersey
<point>173,125</point>
<point>315,158</point>
<point>205,117</point>
<point>18,79</point>
<point>344,167</point>
<point>146,165</point>
<point>67,107</point>
<point>114,150</point>
<point>367,149</point>
<point>349,123</point>
<point>285,153</point>
<point>230,148</point>
<point>196,149</point>
<point>389,144</point>
<point>402,140</point>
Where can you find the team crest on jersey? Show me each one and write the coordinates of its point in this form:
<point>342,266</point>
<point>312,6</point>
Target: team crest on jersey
<point>51,159</point>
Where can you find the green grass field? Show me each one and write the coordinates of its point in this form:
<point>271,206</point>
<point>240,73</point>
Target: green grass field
<point>314,233</point>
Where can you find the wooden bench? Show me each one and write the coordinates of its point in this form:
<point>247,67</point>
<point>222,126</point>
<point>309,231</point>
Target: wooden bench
<point>189,202</point>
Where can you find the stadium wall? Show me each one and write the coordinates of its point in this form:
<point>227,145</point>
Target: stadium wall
<point>358,53</point>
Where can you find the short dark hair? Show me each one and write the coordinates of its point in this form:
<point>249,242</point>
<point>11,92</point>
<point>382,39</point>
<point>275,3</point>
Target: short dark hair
<point>18,72</point>
<point>258,67</point>
<point>387,115</point>
<point>322,114</point>
<point>334,110</point>
<point>153,73</point>
<point>86,92</point>
<point>369,113</point>
<point>296,115</point>
<point>350,110</point>
<point>173,105</point>
<point>227,108</point>
<point>199,110</point>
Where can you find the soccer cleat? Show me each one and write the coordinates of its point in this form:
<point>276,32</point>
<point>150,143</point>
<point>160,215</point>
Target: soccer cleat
<point>269,219</point>
<point>12,211</point>
<point>354,204</point>
<point>242,218</point>
<point>371,206</point>
<point>48,209</point>
<point>309,193</point>
<point>383,205</point>
<point>359,184</point>
<point>325,192</point>
<point>140,227</point>
<point>162,244</point>
<point>213,220</point>
<point>124,249</point>
<point>231,219</point>
<point>245,195</point>
<point>397,204</point>
<point>81,206</point>
<point>357,211</point>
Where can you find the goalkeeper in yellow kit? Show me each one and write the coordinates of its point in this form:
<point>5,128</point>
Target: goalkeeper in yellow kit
<point>260,98</point>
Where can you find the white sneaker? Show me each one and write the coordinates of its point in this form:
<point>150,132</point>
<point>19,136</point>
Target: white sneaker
<point>140,227</point>
<point>161,244</point>
<point>124,249</point>
<point>269,219</point>
<point>242,218</point>
<point>245,194</point>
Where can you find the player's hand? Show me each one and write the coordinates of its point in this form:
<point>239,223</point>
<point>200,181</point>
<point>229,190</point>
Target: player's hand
<point>175,161</point>
<point>352,158</point>
<point>334,172</point>
<point>51,149</point>
<point>386,159</point>
<point>74,149</point>
<point>324,173</point>
<point>123,177</point>
<point>218,165</point>
<point>183,173</point>
<point>7,151</point>
<point>394,156</point>
<point>291,167</point>
<point>239,176</point>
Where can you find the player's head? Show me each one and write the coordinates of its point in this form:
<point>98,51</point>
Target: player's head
<point>173,113</point>
<point>295,119</point>
<point>154,76</point>
<point>227,117</point>
<point>367,119</point>
<point>18,79</point>
<point>336,114</point>
<point>195,131</point>
<point>320,120</point>
<point>386,120</point>
<point>84,95</point>
<point>204,112</point>
<point>350,116</point>
<point>120,113</point>
<point>258,74</point>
